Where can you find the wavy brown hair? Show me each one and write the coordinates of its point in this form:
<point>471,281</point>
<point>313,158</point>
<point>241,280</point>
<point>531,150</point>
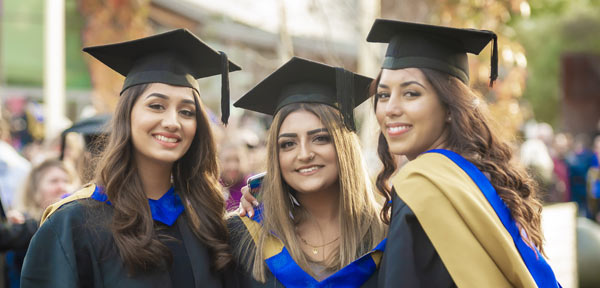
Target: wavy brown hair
<point>473,135</point>
<point>360,227</point>
<point>194,178</point>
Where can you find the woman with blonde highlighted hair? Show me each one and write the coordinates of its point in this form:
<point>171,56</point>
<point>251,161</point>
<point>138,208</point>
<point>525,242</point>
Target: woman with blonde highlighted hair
<point>317,224</point>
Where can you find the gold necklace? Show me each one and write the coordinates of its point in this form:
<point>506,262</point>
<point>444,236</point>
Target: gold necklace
<point>315,248</point>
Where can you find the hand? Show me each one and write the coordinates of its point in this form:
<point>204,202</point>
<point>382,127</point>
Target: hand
<point>15,217</point>
<point>246,208</point>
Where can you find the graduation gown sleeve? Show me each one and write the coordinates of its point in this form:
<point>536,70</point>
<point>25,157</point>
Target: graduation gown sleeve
<point>243,250</point>
<point>17,236</point>
<point>51,258</point>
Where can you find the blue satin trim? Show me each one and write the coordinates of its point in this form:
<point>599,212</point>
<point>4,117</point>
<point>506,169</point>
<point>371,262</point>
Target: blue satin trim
<point>287,271</point>
<point>536,264</point>
<point>290,274</point>
<point>164,210</point>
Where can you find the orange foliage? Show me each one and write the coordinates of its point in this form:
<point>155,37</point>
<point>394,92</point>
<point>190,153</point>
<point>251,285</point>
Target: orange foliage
<point>109,21</point>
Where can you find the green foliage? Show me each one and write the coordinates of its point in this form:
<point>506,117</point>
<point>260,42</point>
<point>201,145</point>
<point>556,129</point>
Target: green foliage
<point>555,27</point>
<point>22,44</point>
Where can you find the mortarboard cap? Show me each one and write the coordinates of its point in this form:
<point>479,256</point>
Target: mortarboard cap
<point>301,80</point>
<point>415,45</point>
<point>176,57</point>
<point>91,129</point>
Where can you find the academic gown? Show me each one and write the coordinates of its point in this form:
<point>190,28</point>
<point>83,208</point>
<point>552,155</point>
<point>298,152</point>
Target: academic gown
<point>283,271</point>
<point>410,260</point>
<point>75,248</point>
<point>449,227</point>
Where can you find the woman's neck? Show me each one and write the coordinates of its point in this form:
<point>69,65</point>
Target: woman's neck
<point>319,231</point>
<point>322,207</point>
<point>155,177</point>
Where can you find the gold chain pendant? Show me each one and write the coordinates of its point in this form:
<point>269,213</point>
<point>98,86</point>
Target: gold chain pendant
<point>315,251</point>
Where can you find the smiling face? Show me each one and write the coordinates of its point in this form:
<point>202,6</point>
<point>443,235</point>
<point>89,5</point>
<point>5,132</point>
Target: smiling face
<point>163,123</point>
<point>410,113</point>
<point>307,155</point>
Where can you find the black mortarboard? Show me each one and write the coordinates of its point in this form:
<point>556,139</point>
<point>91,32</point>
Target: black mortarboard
<point>91,129</point>
<point>414,45</point>
<point>176,57</point>
<point>301,80</point>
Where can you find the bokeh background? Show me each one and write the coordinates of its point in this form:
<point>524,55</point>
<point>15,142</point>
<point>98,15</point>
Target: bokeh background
<point>547,97</point>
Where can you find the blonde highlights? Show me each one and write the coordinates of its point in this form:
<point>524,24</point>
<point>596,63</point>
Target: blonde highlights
<point>360,227</point>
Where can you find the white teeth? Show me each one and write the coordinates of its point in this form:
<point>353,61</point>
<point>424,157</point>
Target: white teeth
<point>307,170</point>
<point>398,129</point>
<point>165,139</point>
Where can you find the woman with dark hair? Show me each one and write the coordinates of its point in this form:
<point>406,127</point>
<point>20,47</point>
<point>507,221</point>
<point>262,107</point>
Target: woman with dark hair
<point>318,223</point>
<point>155,215</point>
<point>462,214</point>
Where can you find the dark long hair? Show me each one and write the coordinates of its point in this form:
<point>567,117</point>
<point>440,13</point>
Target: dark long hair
<point>472,135</point>
<point>195,179</point>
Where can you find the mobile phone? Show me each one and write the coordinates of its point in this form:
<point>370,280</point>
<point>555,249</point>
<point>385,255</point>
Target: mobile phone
<point>256,180</point>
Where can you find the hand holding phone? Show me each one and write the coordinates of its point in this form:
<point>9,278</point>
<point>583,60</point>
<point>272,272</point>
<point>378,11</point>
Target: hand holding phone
<point>255,181</point>
<point>248,202</point>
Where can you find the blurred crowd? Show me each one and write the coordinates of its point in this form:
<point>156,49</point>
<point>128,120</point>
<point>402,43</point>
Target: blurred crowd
<point>35,172</point>
<point>565,166</point>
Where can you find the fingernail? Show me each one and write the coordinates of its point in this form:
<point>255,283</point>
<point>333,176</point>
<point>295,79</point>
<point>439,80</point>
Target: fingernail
<point>250,214</point>
<point>255,203</point>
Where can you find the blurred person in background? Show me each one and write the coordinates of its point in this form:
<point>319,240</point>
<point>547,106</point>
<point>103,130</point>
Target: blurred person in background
<point>13,167</point>
<point>77,159</point>
<point>535,157</point>
<point>579,160</point>
<point>593,182</point>
<point>559,150</point>
<point>233,158</point>
<point>46,184</point>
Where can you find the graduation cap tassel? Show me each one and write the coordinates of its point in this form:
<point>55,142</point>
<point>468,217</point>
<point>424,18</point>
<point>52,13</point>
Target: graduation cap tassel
<point>345,95</point>
<point>224,88</point>
<point>494,64</point>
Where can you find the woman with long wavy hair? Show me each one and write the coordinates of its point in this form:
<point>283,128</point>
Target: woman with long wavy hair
<point>154,216</point>
<point>462,213</point>
<point>318,224</point>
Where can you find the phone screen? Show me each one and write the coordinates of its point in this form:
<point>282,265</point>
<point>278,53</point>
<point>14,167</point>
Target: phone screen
<point>256,180</point>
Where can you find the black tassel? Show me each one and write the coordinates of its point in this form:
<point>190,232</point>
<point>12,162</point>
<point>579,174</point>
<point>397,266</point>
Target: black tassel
<point>345,95</point>
<point>224,88</point>
<point>494,64</point>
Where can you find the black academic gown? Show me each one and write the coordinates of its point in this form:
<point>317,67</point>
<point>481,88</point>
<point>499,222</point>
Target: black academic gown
<point>410,260</point>
<point>74,248</point>
<point>17,236</point>
<point>238,234</point>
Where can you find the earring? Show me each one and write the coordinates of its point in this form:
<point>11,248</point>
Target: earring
<point>293,199</point>
<point>449,119</point>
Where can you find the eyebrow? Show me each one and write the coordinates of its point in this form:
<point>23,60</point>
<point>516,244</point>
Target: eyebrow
<point>311,132</point>
<point>163,96</point>
<point>407,83</point>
